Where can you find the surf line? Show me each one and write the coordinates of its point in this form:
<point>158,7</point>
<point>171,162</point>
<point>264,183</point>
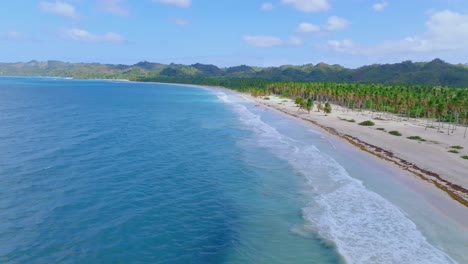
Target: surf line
<point>456,192</point>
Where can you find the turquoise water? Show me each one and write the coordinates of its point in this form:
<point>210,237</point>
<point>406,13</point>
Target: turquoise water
<point>122,172</point>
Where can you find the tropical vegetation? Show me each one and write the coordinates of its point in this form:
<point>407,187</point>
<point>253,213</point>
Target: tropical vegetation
<point>367,123</point>
<point>379,88</point>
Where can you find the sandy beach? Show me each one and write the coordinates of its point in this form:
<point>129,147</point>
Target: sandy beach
<point>429,160</point>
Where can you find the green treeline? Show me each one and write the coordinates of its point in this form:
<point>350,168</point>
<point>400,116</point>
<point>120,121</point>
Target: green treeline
<point>443,103</point>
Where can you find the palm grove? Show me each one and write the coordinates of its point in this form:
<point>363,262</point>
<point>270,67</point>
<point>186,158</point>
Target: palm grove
<point>436,103</point>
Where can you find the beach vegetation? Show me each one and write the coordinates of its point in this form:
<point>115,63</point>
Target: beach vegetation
<point>367,123</point>
<point>453,151</point>
<point>327,108</point>
<point>266,98</point>
<point>319,107</point>
<point>298,101</point>
<point>347,120</point>
<point>304,105</point>
<point>465,157</point>
<point>381,128</point>
<point>309,105</point>
<point>457,147</point>
<point>418,138</point>
<point>395,133</point>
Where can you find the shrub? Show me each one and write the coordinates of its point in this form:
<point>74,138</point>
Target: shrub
<point>367,123</point>
<point>395,133</point>
<point>454,151</point>
<point>416,138</point>
<point>456,147</point>
<point>465,157</point>
<point>266,98</point>
<point>381,128</point>
<point>327,108</point>
<point>347,120</point>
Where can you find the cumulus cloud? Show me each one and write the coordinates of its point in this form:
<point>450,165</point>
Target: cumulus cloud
<point>379,6</point>
<point>307,27</point>
<point>333,23</point>
<point>266,6</point>
<point>336,23</point>
<point>179,3</point>
<point>446,31</point>
<point>86,36</point>
<point>345,45</point>
<point>308,5</point>
<point>262,41</point>
<point>115,7</point>
<point>59,8</point>
<point>182,22</point>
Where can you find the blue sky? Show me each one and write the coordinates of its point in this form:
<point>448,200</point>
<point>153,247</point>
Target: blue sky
<point>234,32</point>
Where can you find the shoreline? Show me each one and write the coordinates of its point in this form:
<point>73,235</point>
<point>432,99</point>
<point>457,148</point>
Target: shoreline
<point>456,191</point>
<point>456,187</point>
<point>393,157</point>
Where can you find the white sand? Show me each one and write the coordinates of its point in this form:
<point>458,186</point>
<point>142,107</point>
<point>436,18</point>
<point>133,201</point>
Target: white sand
<point>421,158</point>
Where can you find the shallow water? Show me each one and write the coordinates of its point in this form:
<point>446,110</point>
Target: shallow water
<point>109,172</point>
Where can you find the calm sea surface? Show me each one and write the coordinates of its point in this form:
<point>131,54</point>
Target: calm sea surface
<point>122,172</point>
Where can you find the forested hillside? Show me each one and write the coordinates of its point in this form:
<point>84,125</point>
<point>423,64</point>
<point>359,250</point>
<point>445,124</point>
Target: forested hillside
<point>434,73</point>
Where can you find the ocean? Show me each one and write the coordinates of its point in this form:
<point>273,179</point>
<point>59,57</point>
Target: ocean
<point>95,171</point>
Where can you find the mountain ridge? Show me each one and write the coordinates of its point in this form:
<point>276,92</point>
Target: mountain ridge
<point>436,72</point>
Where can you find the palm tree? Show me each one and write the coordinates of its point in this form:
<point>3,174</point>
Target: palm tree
<point>309,105</point>
<point>327,108</point>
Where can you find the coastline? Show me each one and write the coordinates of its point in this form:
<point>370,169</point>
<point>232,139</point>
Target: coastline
<point>454,185</point>
<point>446,175</point>
<point>320,195</point>
<point>443,170</point>
<point>437,216</point>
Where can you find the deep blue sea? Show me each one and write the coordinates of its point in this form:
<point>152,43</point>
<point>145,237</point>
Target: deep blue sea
<point>120,172</point>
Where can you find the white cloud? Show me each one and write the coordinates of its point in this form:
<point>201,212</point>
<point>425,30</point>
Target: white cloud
<point>182,22</point>
<point>307,27</point>
<point>336,23</point>
<point>379,6</point>
<point>86,36</point>
<point>308,5</point>
<point>266,6</point>
<point>295,41</point>
<point>333,23</point>
<point>345,45</point>
<point>59,8</point>
<point>179,3</point>
<point>446,31</point>
<point>115,7</point>
<point>15,36</point>
<point>262,41</point>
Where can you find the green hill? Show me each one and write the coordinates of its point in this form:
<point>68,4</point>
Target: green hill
<point>436,72</point>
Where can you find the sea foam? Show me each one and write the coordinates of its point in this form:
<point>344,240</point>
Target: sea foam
<point>365,227</point>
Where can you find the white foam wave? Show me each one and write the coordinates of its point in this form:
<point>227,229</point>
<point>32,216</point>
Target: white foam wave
<point>365,227</point>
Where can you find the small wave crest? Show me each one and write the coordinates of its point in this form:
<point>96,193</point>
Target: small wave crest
<point>365,227</point>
